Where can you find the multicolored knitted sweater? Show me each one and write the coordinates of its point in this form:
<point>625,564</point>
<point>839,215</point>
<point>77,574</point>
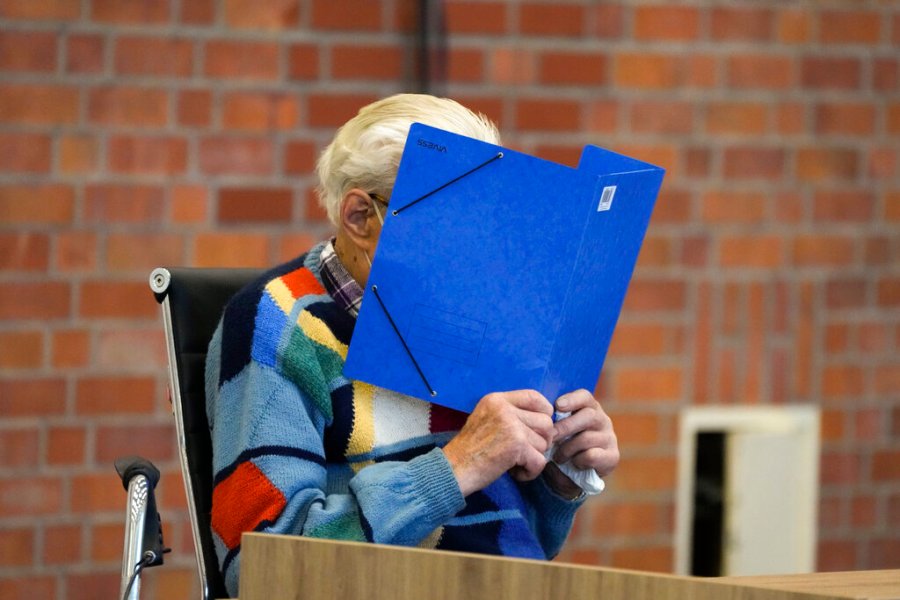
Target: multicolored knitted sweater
<point>299,449</point>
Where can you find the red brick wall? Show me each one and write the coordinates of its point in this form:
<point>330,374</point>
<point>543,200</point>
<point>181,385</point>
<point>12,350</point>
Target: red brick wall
<point>140,133</point>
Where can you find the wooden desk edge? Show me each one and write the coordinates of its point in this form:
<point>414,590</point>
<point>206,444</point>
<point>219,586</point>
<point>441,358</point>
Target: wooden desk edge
<point>305,567</point>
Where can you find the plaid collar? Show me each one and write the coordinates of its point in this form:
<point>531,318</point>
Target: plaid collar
<point>345,291</point>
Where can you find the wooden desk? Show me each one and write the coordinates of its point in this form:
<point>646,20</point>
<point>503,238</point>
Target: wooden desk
<point>869,585</point>
<point>285,567</point>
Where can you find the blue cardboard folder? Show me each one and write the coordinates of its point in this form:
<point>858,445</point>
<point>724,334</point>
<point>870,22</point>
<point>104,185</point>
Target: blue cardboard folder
<point>497,270</point>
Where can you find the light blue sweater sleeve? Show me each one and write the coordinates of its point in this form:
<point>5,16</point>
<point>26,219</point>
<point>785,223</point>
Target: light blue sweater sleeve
<point>271,473</point>
<point>550,515</point>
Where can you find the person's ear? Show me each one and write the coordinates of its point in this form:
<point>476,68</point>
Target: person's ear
<point>357,219</point>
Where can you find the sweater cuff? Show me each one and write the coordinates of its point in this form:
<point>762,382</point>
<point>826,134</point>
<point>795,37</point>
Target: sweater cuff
<point>437,484</point>
<point>555,508</point>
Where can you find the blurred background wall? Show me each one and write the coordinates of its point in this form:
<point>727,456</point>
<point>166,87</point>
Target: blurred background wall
<point>183,132</point>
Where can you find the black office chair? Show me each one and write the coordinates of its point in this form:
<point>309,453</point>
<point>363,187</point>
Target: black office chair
<point>192,301</point>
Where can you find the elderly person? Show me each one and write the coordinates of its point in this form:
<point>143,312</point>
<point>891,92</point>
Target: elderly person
<point>300,449</point>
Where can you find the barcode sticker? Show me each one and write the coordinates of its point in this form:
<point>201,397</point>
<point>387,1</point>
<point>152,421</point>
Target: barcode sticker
<point>606,198</point>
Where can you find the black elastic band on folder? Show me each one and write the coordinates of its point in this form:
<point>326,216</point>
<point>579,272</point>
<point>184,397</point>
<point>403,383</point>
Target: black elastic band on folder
<point>451,182</point>
<point>402,341</point>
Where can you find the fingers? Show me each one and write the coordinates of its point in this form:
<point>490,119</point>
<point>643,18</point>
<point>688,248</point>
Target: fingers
<point>601,460</point>
<point>535,412</point>
<point>505,431</point>
<point>574,401</point>
<point>511,431</point>
<point>585,440</point>
<point>586,437</point>
<point>537,441</point>
<point>590,450</point>
<point>531,409</point>
<point>530,400</point>
<point>531,466</point>
<point>586,418</point>
<point>588,415</point>
<point>540,424</point>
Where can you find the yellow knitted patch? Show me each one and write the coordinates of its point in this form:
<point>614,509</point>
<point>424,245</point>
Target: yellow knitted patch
<point>362,436</point>
<point>433,538</point>
<point>316,330</point>
<point>281,294</point>
<point>359,466</point>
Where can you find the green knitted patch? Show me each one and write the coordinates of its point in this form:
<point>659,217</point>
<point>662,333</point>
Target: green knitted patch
<point>345,527</point>
<point>330,361</point>
<point>301,362</point>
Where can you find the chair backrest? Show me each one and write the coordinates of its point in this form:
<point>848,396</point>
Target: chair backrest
<point>192,301</point>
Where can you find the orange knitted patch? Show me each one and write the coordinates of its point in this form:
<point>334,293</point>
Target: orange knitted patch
<point>302,282</point>
<point>242,501</point>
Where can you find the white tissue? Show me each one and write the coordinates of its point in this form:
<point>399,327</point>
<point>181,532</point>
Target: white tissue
<point>586,479</point>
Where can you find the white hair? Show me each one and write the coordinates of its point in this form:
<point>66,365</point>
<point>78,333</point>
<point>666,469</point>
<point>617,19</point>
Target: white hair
<point>365,151</point>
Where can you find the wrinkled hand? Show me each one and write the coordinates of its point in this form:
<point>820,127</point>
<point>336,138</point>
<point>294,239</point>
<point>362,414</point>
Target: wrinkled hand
<point>590,442</point>
<point>507,431</point>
